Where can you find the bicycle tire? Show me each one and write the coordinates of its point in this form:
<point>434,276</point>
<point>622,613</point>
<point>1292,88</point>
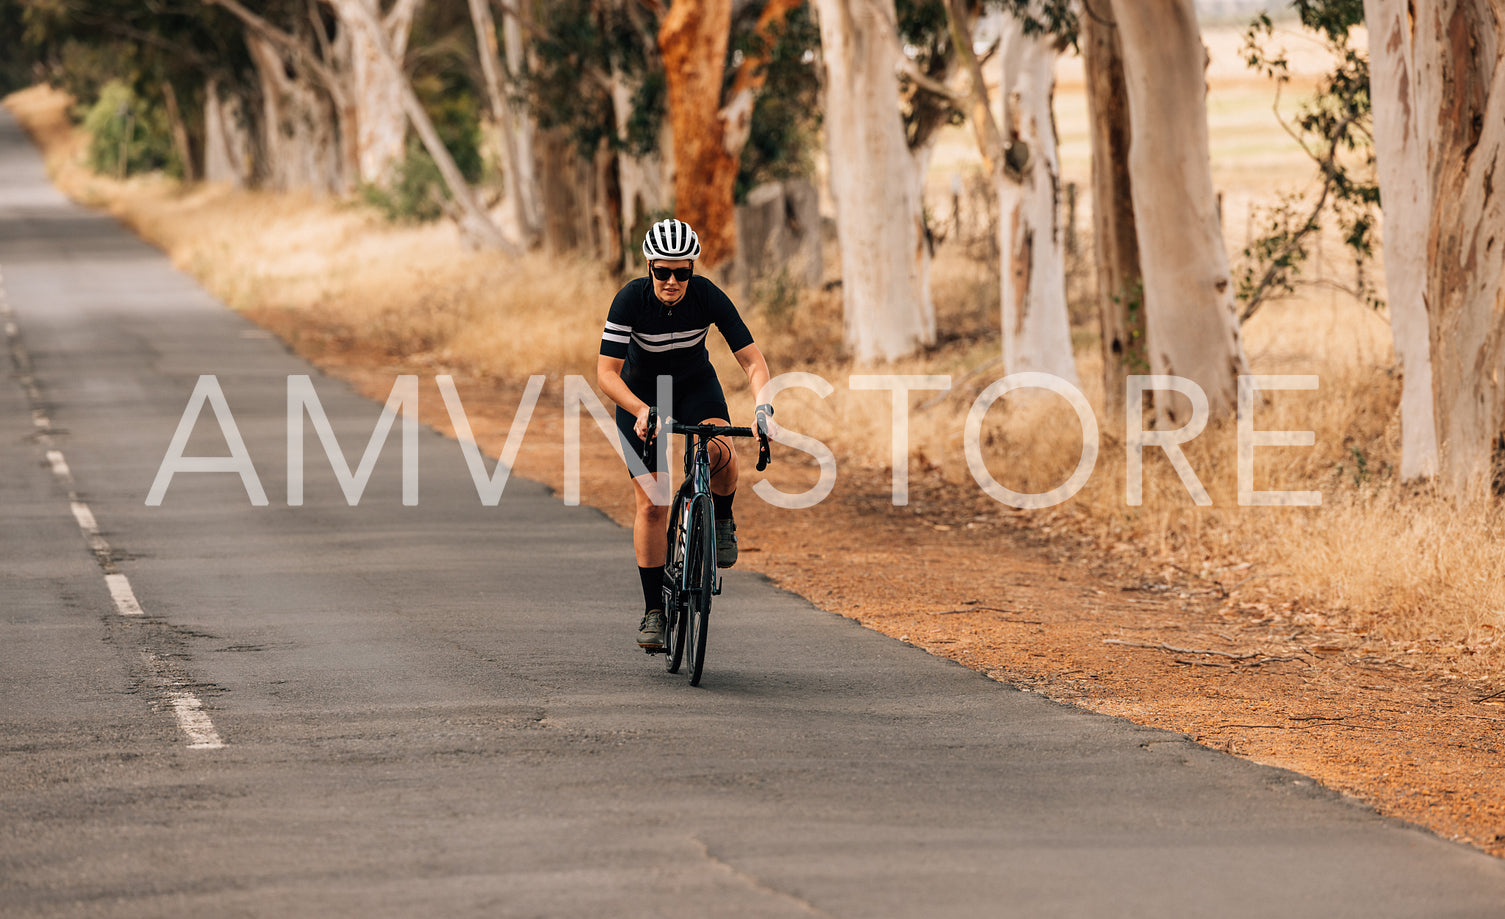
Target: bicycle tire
<point>701,565</point>
<point>674,599</point>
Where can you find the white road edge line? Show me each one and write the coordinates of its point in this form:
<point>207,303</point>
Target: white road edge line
<point>124,596</point>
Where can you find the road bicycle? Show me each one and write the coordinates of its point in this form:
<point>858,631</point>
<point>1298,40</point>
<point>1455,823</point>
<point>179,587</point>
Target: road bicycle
<point>690,573</point>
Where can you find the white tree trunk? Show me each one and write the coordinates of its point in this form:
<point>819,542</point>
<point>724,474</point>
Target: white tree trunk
<point>1191,323</point>
<point>227,144</point>
<point>475,224</point>
<point>519,130</point>
<point>299,142</point>
<point>1405,195</point>
<point>1036,325</point>
<point>875,181</point>
<point>514,129</point>
<point>1458,45</point>
<point>380,127</point>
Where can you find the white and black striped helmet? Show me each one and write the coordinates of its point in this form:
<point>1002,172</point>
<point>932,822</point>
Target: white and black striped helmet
<point>671,240</point>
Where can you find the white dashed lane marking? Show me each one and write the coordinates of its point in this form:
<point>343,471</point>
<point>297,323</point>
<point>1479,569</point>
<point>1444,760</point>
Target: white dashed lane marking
<point>187,710</point>
<point>192,721</point>
<point>59,465</point>
<point>85,518</point>
<point>124,596</point>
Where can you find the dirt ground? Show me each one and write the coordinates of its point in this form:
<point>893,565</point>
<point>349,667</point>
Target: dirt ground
<point>1414,731</point>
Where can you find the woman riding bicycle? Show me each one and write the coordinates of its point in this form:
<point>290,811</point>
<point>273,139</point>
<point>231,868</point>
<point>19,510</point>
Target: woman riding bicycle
<point>658,326</point>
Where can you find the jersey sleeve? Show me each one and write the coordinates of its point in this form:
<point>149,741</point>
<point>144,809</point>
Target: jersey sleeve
<point>618,332</point>
<point>728,320</point>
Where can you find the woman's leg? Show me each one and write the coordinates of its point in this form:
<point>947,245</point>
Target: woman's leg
<point>650,544</point>
<point>650,540</point>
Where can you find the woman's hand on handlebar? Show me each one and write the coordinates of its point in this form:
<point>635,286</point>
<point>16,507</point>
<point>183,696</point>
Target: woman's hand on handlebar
<point>764,428</point>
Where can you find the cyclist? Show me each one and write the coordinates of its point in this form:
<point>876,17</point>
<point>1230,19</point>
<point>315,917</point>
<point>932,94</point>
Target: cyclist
<point>658,325</point>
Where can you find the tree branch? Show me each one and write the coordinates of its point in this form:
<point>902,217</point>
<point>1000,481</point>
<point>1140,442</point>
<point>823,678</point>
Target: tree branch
<point>1328,164</point>
<point>912,71</point>
<point>287,43</point>
<point>990,140</point>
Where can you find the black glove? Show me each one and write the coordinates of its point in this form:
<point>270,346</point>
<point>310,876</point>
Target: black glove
<point>764,412</point>
<point>650,438</point>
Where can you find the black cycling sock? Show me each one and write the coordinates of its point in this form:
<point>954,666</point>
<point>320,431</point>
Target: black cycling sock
<point>723,505</point>
<point>653,587</point>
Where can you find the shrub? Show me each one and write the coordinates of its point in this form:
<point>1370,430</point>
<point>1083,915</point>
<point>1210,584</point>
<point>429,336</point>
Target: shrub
<point>127,135</point>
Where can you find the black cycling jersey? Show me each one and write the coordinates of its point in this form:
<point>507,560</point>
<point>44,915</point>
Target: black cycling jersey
<point>657,339</point>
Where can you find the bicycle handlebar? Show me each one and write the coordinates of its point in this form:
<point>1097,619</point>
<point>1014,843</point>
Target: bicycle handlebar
<point>701,430</point>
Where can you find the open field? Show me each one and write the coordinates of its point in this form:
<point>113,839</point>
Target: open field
<point>1382,586</point>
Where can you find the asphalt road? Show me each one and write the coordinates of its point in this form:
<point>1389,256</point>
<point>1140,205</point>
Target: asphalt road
<point>390,710</point>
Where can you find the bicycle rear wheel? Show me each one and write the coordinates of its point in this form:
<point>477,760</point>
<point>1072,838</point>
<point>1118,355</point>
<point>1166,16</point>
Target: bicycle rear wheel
<point>700,569</point>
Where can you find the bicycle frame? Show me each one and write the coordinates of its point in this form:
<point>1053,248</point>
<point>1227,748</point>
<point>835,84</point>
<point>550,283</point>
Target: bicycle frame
<point>691,577</point>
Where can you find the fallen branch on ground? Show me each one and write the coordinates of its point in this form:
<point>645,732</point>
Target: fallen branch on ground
<point>1249,655</point>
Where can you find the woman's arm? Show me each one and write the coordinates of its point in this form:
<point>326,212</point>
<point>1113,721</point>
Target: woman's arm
<point>609,378</point>
<point>755,366</point>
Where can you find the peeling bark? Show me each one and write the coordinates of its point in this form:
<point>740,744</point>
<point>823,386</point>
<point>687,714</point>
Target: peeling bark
<point>1120,293</point>
<point>1036,324</point>
<point>1019,153</point>
<point>1400,151</point>
<point>380,127</point>
<point>1458,46</point>
<point>1191,319</point>
<point>708,135</point>
<point>693,39</point>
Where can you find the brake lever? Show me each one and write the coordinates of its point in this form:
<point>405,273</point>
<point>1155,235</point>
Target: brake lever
<point>761,427</point>
<point>650,437</point>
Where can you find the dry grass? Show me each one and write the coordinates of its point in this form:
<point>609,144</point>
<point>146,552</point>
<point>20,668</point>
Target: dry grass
<point>1397,563</point>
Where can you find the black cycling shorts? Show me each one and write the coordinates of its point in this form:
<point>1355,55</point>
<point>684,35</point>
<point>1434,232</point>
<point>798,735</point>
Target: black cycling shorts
<point>694,399</point>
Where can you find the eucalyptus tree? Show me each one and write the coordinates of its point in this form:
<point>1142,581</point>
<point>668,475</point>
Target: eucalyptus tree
<point>1460,99</point>
<point>1017,140</point>
<point>1401,138</point>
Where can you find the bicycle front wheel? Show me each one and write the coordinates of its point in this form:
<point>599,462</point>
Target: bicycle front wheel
<point>674,597</point>
<point>700,580</point>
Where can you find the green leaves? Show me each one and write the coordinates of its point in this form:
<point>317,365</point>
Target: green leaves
<point>1335,129</point>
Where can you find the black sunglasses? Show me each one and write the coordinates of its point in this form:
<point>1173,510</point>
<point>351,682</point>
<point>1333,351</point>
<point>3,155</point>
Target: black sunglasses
<point>679,274</point>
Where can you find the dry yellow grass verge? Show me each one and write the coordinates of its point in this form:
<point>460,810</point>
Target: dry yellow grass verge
<point>1393,562</point>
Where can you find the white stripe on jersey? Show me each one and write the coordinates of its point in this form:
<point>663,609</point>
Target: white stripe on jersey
<point>616,327</point>
<point>619,339</point>
<point>669,336</point>
<point>676,345</point>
